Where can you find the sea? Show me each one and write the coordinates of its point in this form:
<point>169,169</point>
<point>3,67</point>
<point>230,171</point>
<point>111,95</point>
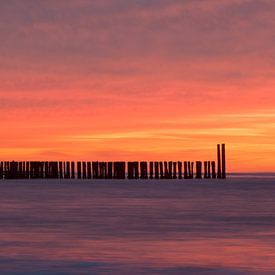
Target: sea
<point>138,226</point>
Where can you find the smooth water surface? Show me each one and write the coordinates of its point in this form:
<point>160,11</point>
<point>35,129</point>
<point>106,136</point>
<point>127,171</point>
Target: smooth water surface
<point>137,227</point>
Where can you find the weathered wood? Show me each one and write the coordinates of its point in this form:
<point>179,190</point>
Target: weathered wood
<point>223,162</point>
<point>219,171</point>
<point>161,172</point>
<point>179,170</point>
<point>151,169</point>
<point>156,170</point>
<point>143,170</point>
<point>133,170</point>
<point>119,170</point>
<point>185,170</point>
<point>95,169</point>
<point>102,170</point>
<point>174,170</point>
<point>110,170</point>
<point>79,173</point>
<point>213,166</point>
<point>89,170</point>
<point>84,170</point>
<point>60,166</point>
<point>198,169</point>
<point>73,169</point>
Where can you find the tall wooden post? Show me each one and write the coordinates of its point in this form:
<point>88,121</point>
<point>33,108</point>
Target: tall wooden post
<point>223,162</point>
<point>219,171</point>
<point>205,170</point>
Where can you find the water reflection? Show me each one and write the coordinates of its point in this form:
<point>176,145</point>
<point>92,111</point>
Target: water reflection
<point>137,227</point>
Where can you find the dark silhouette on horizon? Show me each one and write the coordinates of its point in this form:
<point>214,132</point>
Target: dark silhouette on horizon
<point>115,170</point>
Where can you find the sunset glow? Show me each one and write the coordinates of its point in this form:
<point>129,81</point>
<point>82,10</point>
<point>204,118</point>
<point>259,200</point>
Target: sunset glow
<point>138,80</point>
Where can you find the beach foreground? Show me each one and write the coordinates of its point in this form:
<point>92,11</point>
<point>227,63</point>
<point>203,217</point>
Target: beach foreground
<point>137,226</point>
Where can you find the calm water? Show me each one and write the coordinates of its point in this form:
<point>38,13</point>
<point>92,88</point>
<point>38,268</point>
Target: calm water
<point>137,227</point>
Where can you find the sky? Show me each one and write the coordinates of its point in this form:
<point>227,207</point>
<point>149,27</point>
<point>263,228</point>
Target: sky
<point>138,80</point>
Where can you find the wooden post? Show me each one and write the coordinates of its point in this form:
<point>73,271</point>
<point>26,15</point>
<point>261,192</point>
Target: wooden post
<point>185,170</point>
<point>1,170</point>
<point>119,170</point>
<point>179,170</point>
<point>68,170</point>
<point>209,169</point>
<point>73,169</point>
<point>102,170</point>
<point>79,174</point>
<point>174,170</point>
<point>95,169</point>
<point>89,170</point>
<point>130,166</point>
<point>60,165</point>
<point>143,170</point>
<point>161,170</point>
<point>27,169</point>
<point>205,170</point>
<point>198,169</point>
<point>223,162</point>
<point>84,170</point>
<point>151,169</point>
<point>110,170</point>
<point>219,161</point>
<point>156,170</point>
<point>213,164</point>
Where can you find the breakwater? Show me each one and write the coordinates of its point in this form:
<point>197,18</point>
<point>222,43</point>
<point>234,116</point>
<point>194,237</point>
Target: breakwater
<point>209,169</point>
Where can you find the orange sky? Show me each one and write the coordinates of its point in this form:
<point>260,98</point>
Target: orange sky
<point>120,79</point>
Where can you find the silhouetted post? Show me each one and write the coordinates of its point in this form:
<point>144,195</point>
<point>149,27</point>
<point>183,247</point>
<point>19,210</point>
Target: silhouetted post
<point>143,170</point>
<point>119,170</point>
<point>185,170</point>
<point>161,170</point>
<point>79,170</point>
<point>27,169</point>
<point>95,169</point>
<point>55,169</point>
<point>174,170</point>
<point>103,170</point>
<point>192,170</point>
<point>60,165</point>
<point>213,164</point>
<point>46,169</point>
<point>179,170</point>
<point>73,169</point>
<point>151,168</point>
<point>68,170</point>
<point>190,173</point>
<point>136,170</point>
<point>223,162</point>
<point>1,170</point>
<point>84,170</point>
<point>205,170</point>
<point>24,170</point>
<point>20,170</point>
<point>89,170</point>
<point>219,161</point>
<point>209,169</point>
<point>166,172</point>
<point>198,169</point>
<point>156,170</point>
<point>110,170</point>
<point>130,170</point>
